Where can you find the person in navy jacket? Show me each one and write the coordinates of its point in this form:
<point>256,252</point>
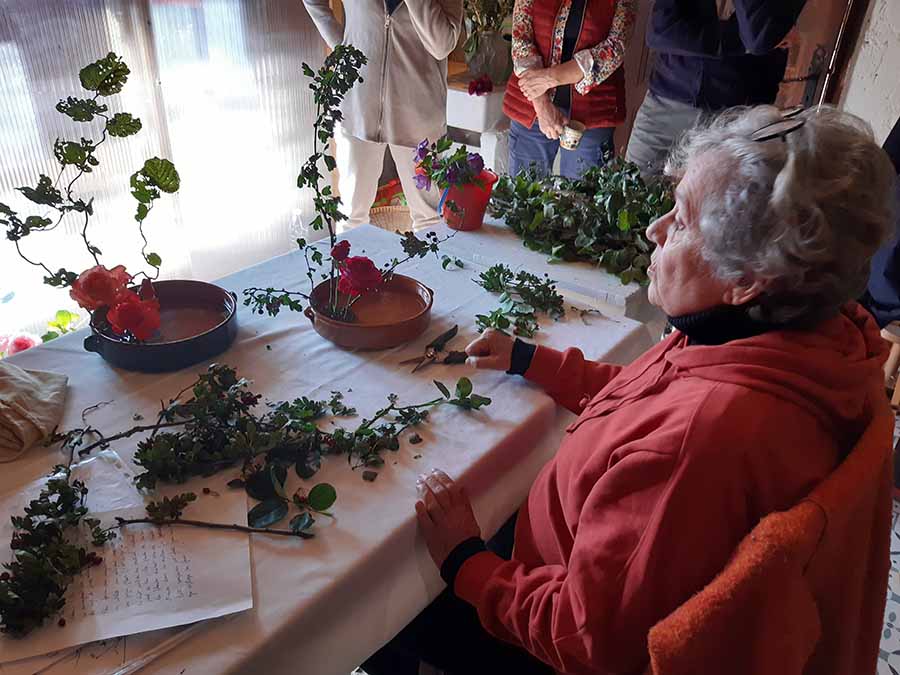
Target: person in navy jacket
<point>709,57</point>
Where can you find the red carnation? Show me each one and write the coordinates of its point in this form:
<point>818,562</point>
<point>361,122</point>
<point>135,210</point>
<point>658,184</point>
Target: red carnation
<point>138,317</point>
<point>358,275</point>
<point>340,251</point>
<point>99,287</point>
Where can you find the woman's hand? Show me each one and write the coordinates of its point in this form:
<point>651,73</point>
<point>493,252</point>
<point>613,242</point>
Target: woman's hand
<point>491,351</point>
<point>550,118</point>
<point>445,515</point>
<point>536,82</point>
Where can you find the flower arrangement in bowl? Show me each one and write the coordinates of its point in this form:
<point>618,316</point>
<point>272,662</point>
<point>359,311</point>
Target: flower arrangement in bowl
<point>357,304</point>
<point>126,309</point>
<point>466,184</point>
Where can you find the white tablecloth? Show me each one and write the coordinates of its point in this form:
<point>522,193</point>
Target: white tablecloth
<point>322,606</point>
<point>495,242</point>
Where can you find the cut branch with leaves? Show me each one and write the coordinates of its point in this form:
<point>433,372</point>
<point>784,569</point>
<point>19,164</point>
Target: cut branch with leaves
<point>522,297</point>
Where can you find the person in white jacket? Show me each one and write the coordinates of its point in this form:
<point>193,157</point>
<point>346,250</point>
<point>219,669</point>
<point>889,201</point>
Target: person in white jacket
<point>402,99</point>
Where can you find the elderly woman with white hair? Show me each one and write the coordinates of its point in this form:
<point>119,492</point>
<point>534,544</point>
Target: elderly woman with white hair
<point>759,394</point>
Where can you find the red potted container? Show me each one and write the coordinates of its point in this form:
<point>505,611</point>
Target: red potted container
<point>471,202</point>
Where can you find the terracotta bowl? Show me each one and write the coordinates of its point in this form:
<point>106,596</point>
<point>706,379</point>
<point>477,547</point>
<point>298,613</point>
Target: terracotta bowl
<point>397,313</point>
<point>198,321</point>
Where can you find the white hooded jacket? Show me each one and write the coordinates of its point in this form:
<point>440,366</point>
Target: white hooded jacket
<point>403,96</point>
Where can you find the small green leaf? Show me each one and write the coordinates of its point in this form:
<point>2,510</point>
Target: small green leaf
<point>624,222</point>
<point>267,513</point>
<point>321,497</point>
<point>302,522</point>
<point>308,465</point>
<point>122,125</point>
<point>278,474</point>
<point>329,162</point>
<point>259,486</point>
<point>443,389</point>
<point>49,335</point>
<point>162,174</point>
<point>153,258</point>
<point>106,76</point>
<point>463,387</point>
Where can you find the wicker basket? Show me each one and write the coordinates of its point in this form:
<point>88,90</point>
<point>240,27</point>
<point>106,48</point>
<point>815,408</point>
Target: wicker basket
<point>394,218</point>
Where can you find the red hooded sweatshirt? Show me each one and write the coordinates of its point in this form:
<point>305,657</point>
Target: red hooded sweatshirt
<point>671,462</point>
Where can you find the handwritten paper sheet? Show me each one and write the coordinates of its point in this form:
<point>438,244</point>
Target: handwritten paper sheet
<point>151,577</point>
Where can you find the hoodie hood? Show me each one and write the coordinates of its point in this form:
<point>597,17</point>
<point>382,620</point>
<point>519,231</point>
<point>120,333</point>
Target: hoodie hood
<point>832,370</point>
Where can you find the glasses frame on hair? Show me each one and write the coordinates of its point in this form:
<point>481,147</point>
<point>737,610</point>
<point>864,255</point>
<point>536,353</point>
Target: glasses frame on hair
<point>782,128</point>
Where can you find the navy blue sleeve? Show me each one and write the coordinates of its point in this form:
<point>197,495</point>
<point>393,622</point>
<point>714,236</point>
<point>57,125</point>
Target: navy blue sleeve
<point>763,24</point>
<point>689,28</point>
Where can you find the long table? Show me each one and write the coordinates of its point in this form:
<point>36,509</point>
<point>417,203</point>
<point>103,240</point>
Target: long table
<point>322,606</point>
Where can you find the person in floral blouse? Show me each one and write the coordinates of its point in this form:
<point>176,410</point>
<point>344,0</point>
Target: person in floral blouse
<point>567,65</point>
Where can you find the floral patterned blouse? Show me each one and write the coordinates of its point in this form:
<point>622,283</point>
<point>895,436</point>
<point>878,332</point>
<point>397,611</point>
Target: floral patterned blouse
<point>597,63</point>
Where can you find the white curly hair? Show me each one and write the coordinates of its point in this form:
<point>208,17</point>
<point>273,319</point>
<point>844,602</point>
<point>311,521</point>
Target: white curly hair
<point>804,213</point>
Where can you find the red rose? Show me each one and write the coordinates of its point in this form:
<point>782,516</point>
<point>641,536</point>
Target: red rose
<point>138,317</point>
<point>358,275</point>
<point>99,287</point>
<point>340,251</point>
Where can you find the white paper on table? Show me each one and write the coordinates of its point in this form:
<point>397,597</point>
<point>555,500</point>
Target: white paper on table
<point>151,577</point>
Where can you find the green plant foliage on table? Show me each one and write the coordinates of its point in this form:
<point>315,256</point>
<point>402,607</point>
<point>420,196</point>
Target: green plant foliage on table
<point>600,218</point>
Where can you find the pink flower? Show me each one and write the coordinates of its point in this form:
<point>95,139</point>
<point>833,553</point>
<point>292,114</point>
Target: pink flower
<point>99,287</point>
<point>22,342</point>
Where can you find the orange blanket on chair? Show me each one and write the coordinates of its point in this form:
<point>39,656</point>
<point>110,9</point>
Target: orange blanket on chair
<point>805,591</point>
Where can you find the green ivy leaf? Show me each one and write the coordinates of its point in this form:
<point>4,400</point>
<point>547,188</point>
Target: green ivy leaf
<point>443,389</point>
<point>80,109</point>
<point>162,174</point>
<point>122,125</point>
<point>142,211</point>
<point>106,76</point>
<point>624,221</point>
<point>153,258</point>
<point>49,335</point>
<point>330,164</point>
<point>321,497</point>
<point>463,387</point>
<point>43,193</point>
<point>267,513</point>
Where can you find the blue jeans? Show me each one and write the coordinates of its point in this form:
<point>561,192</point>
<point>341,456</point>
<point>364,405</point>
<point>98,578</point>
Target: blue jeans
<point>530,148</point>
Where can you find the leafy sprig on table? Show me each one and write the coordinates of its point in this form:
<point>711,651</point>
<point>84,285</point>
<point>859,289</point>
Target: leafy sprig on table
<point>217,429</point>
<point>600,218</point>
<point>105,77</point>
<point>522,296</point>
<point>45,559</point>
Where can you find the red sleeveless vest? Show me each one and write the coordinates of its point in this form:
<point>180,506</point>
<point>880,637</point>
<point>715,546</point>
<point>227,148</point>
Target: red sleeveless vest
<point>602,106</point>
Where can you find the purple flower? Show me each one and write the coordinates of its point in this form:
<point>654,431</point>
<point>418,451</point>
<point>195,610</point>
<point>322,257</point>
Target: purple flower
<point>453,175</point>
<point>423,182</point>
<point>421,151</point>
<point>475,162</point>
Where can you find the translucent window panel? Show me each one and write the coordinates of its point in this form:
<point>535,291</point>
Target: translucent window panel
<point>219,89</point>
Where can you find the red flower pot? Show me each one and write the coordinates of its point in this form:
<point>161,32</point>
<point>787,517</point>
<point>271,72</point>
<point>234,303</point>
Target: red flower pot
<point>471,202</point>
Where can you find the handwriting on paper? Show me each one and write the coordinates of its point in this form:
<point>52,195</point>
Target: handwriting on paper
<point>142,565</point>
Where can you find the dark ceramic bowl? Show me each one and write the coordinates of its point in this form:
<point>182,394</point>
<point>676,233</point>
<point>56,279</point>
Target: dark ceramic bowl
<point>198,321</point>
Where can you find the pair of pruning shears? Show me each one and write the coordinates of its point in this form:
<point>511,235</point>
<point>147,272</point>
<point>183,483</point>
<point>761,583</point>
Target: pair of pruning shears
<point>435,347</point>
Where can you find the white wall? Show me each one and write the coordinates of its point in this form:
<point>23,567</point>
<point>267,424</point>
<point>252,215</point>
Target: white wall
<point>873,82</point>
